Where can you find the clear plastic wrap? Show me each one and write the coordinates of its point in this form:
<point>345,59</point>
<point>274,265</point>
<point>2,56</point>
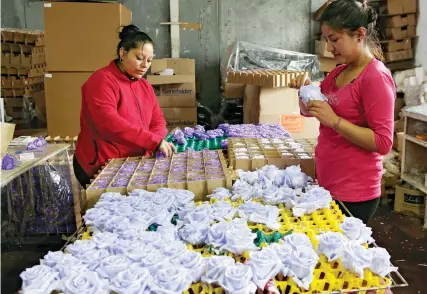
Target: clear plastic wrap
<point>44,200</point>
<point>231,112</point>
<point>244,56</point>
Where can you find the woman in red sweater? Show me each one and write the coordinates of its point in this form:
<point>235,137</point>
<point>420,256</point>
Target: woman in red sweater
<point>357,121</point>
<point>120,115</point>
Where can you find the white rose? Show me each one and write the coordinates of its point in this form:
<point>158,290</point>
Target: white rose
<point>332,245</point>
<point>152,259</point>
<point>265,265</point>
<point>149,238</point>
<point>302,265</point>
<point>309,202</point>
<point>52,258</point>
<point>93,258</point>
<point>297,240</point>
<point>93,214</point>
<point>354,229</point>
<point>163,200</point>
<point>161,215</point>
<point>216,234</point>
<point>117,223</point>
<point>181,196</point>
<point>356,258</point>
<point>259,213</point>
<point>381,264</point>
<point>168,233</point>
<point>238,241</point>
<point>215,267</point>
<point>284,251</point>
<point>223,210</point>
<point>121,246</point>
<point>112,265</point>
<point>133,280</point>
<point>111,197</point>
<point>173,249</point>
<point>69,265</point>
<point>104,240</point>
<point>171,280</point>
<point>200,214</point>
<point>80,247</point>
<point>193,262</point>
<point>39,279</point>
<point>84,283</point>
<point>194,233</point>
<point>237,279</point>
<point>242,190</point>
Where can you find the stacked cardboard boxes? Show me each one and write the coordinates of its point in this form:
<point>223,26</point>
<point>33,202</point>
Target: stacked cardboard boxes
<point>176,93</point>
<point>398,24</point>
<point>80,39</point>
<point>22,69</point>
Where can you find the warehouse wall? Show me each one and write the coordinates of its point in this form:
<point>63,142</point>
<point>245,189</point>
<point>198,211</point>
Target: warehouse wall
<point>422,39</point>
<point>284,24</point>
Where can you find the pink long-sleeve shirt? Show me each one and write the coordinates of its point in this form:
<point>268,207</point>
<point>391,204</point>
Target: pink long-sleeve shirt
<point>349,172</point>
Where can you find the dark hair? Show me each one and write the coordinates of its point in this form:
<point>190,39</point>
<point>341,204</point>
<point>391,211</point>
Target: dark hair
<point>350,15</point>
<point>131,37</point>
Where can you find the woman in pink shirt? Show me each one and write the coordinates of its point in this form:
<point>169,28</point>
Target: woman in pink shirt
<point>357,121</point>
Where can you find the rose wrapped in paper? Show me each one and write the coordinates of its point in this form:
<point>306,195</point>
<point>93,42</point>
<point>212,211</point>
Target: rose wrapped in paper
<point>201,213</point>
<point>216,234</point>
<point>193,262</point>
<point>168,232</point>
<point>302,265</point>
<point>332,245</point>
<point>356,258</point>
<point>87,282</point>
<point>284,252</point>
<point>381,264</point>
<point>116,224</point>
<point>171,280</point>
<point>355,230</point>
<point>112,265</point>
<point>220,193</point>
<point>298,240</point>
<point>265,265</point>
<point>173,249</point>
<point>242,190</point>
<point>39,279</point>
<point>237,279</point>
<point>296,179</point>
<point>307,203</point>
<point>134,280</point>
<point>215,267</point>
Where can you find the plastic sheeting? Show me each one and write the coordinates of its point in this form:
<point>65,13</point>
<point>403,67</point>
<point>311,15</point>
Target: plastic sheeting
<point>231,112</point>
<point>247,56</point>
<point>44,200</point>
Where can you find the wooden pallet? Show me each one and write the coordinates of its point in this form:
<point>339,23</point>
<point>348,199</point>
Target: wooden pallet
<point>22,36</point>
<point>264,77</point>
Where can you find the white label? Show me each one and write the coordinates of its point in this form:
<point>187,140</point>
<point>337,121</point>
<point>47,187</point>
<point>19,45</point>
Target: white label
<point>26,156</point>
<point>48,75</point>
<point>48,5</point>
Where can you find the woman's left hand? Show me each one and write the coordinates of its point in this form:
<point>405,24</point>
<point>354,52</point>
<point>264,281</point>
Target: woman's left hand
<point>323,112</point>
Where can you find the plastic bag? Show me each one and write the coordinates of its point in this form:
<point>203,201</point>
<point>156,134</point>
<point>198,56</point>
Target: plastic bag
<point>311,92</point>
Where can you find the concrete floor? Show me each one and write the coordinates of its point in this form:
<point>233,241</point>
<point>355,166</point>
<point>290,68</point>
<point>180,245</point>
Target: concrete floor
<point>401,235</point>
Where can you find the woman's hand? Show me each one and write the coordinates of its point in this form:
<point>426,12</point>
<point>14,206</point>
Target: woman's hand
<point>297,83</point>
<point>323,112</point>
<point>167,148</point>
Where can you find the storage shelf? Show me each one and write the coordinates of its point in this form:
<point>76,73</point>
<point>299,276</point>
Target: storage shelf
<point>416,141</point>
<point>416,182</point>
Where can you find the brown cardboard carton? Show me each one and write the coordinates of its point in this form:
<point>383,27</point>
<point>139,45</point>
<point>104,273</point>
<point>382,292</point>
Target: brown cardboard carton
<point>412,31</point>
<point>63,102</point>
<point>321,49</point>
<point>180,117</point>
<point>412,19</point>
<point>397,33</point>
<point>409,201</point>
<point>82,36</point>
<point>397,21</point>
<point>398,45</point>
<point>409,6</point>
<point>178,90</point>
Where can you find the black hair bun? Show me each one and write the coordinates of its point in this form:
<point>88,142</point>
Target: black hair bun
<point>372,15</point>
<point>128,31</point>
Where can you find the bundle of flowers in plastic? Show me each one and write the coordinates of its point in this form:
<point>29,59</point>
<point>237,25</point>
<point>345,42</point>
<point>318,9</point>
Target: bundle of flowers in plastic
<point>9,162</point>
<point>36,144</point>
<point>311,93</point>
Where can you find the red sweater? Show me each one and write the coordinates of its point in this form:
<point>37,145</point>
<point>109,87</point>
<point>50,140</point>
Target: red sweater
<point>119,118</point>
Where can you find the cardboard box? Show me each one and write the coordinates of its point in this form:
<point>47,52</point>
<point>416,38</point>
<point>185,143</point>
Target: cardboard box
<point>327,64</point>
<point>394,7</point>
<point>398,45</point>
<point>398,105</point>
<point>178,90</point>
<point>412,19</point>
<point>63,102</point>
<point>278,106</point>
<point>180,117</point>
<point>234,91</point>
<point>409,201</point>
<point>321,49</point>
<point>401,33</point>
<point>82,37</point>
<point>398,141</point>
<point>399,55</point>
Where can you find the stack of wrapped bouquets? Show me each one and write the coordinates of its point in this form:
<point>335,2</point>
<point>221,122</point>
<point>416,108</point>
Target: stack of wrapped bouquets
<point>147,242</point>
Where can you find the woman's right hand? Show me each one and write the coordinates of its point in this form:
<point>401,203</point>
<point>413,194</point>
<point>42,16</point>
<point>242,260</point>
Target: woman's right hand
<point>167,148</point>
<point>297,83</point>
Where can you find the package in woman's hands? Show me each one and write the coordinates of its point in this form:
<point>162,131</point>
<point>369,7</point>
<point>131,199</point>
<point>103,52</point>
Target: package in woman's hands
<point>311,92</point>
